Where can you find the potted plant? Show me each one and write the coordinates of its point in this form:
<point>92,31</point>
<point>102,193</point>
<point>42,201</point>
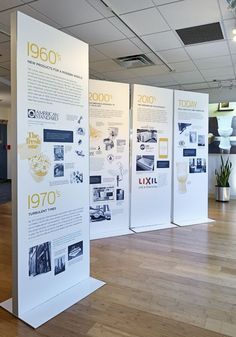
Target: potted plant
<point>222,180</point>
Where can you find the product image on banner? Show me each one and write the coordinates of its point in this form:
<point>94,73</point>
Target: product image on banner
<point>182,175</point>
<point>146,135</point>
<point>144,163</point>
<point>197,165</point>
<point>100,213</point>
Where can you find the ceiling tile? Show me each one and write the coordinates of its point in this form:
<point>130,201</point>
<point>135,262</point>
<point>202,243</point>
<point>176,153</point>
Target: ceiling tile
<point>102,9</point>
<point>6,64</point>
<point>188,77</point>
<point>150,70</point>
<point>105,66</point>
<point>4,38</point>
<point>229,25</point>
<point>119,49</point>
<point>162,41</point>
<point>140,44</point>
<point>96,32</point>
<point>223,73</point>
<point>5,16</point>
<point>121,27</point>
<point>5,4</point>
<point>196,86</point>
<point>120,75</point>
<point>163,79</point>
<point>226,12</point>
<point>175,55</point>
<point>213,62</point>
<point>125,6</point>
<point>190,13</point>
<point>183,66</point>
<point>165,2</point>
<point>154,58</point>
<point>205,50</point>
<point>95,55</point>
<point>4,72</point>
<point>67,13</point>
<point>145,22</point>
<point>232,46</point>
<point>4,51</point>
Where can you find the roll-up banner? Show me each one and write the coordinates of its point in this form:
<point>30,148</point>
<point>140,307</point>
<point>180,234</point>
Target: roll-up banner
<point>190,164</point>
<point>109,158</point>
<point>151,158</point>
<point>51,171</point>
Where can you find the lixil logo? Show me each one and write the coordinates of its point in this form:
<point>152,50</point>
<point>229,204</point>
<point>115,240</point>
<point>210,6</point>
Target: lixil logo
<point>147,181</point>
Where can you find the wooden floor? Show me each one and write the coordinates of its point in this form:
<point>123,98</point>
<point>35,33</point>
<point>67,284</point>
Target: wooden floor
<point>171,283</point>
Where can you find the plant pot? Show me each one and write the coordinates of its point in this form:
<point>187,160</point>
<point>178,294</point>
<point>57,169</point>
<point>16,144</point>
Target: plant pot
<point>222,193</point>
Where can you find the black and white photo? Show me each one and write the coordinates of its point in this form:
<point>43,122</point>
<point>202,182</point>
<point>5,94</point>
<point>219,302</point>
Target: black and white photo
<point>58,152</point>
<point>58,170</point>
<point>144,163</point>
<point>147,135</point>
<point>40,259</point>
<point>103,193</point>
<point>197,165</point>
<point>99,213</point>
<point>59,264</point>
<point>75,250</point>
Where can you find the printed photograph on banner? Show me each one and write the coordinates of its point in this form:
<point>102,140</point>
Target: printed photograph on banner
<point>192,137</point>
<point>100,213</point>
<point>58,170</point>
<point>58,152</point>
<point>40,259</point>
<point>197,165</point>
<point>201,140</point>
<point>75,250</point>
<point>145,163</point>
<point>148,135</point>
<point>103,193</point>
<point>76,177</point>
<point>120,194</point>
<point>182,176</point>
<point>59,264</point>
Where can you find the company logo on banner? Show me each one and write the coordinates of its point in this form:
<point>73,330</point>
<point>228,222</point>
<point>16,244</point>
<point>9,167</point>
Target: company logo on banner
<point>46,115</point>
<point>147,182</point>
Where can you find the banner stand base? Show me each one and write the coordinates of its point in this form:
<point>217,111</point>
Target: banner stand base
<point>193,222</point>
<point>46,311</point>
<point>152,228</point>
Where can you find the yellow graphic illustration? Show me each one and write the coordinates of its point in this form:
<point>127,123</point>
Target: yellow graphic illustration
<point>39,163</point>
<point>39,166</point>
<point>94,133</point>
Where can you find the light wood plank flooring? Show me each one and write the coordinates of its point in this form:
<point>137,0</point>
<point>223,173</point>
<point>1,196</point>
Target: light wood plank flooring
<point>171,283</point>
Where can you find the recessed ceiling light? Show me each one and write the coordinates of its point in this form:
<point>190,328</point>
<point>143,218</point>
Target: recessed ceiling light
<point>234,38</point>
<point>234,31</point>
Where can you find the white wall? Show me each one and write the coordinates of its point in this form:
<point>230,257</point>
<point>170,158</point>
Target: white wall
<point>215,96</point>
<point>5,114</point>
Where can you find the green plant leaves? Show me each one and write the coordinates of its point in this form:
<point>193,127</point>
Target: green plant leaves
<point>222,175</point>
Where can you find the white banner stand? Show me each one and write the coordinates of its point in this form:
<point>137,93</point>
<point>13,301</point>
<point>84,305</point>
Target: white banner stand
<point>109,159</point>
<point>51,244</point>
<point>190,164</point>
<point>151,158</point>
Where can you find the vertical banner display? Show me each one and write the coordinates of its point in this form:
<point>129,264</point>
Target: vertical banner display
<point>51,182</point>
<point>109,158</point>
<point>190,167</point>
<point>151,157</point>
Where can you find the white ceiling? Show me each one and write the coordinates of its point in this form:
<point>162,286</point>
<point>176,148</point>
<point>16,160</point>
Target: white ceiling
<point>154,21</point>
